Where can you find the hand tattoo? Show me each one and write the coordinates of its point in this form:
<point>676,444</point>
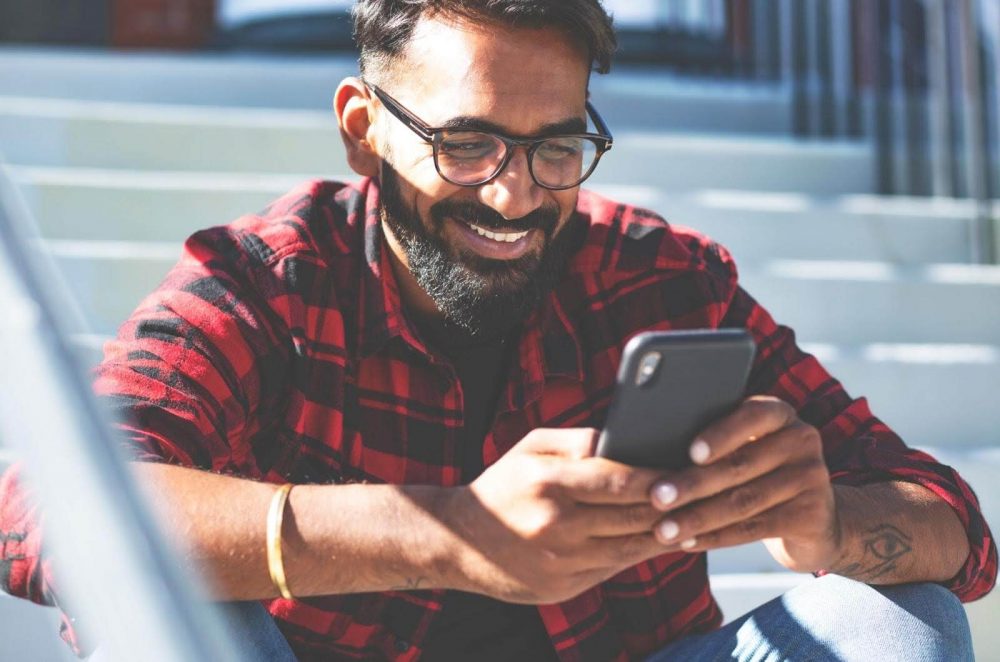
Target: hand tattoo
<point>412,584</point>
<point>883,547</point>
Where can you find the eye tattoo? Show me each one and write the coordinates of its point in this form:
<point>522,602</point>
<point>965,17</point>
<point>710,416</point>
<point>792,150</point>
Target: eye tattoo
<point>884,546</point>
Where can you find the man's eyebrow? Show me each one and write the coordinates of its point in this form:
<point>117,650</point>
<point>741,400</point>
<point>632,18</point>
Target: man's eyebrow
<point>470,123</point>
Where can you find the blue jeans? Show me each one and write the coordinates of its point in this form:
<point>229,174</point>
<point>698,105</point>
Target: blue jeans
<point>831,618</point>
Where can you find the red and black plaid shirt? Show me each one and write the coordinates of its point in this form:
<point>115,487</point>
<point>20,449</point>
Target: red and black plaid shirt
<point>278,349</point>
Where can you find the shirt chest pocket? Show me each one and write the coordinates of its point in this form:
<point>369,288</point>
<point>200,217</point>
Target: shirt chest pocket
<point>406,420</point>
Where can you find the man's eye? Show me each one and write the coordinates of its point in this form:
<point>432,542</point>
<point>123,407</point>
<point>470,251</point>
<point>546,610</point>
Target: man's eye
<point>467,149</point>
<point>560,149</point>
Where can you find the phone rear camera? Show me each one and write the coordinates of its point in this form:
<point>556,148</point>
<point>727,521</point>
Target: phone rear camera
<point>648,366</point>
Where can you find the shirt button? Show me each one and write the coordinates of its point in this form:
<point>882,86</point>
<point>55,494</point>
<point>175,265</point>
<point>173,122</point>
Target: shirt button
<point>402,645</point>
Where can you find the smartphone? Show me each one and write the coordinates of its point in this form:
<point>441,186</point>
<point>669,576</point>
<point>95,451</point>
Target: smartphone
<point>671,386</point>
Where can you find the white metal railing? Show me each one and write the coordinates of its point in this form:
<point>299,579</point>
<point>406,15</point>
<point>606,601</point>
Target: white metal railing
<point>118,575</point>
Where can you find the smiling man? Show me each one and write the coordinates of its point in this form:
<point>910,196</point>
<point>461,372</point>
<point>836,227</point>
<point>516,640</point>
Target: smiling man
<point>421,360</point>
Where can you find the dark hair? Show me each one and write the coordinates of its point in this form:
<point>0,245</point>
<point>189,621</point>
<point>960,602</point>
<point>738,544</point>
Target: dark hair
<point>383,28</point>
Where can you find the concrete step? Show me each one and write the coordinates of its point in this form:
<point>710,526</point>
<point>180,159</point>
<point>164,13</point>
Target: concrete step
<point>931,395</point>
<point>843,303</point>
<point>159,137</point>
<point>631,97</point>
<point>121,205</point>
<point>78,203</point>
<point>150,137</point>
<point>756,225</point>
<point>863,302</point>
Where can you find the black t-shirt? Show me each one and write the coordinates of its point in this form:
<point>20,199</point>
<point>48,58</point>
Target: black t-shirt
<point>473,626</point>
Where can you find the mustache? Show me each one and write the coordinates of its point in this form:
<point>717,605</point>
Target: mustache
<point>543,218</point>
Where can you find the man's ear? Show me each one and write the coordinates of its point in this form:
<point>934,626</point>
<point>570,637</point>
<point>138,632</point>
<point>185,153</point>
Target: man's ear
<point>354,116</point>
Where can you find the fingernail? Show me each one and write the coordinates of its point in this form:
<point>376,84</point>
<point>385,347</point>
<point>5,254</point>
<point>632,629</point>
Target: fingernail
<point>700,451</point>
<point>664,494</point>
<point>669,529</point>
<point>690,543</point>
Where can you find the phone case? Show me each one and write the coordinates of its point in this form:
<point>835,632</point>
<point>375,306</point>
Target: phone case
<point>671,386</point>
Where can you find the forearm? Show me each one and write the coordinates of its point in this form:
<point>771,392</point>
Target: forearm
<point>336,538</point>
<point>894,533</point>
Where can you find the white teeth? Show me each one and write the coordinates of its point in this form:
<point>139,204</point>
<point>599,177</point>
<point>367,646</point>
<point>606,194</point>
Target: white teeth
<point>508,238</point>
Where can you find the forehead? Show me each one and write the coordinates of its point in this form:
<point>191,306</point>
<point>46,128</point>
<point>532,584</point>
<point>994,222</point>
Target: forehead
<point>519,78</point>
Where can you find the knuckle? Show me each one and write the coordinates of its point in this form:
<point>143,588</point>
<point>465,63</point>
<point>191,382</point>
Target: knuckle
<point>744,500</point>
<point>817,472</point>
<point>543,475</point>
<point>711,539</point>
<point>637,516</point>
<point>808,435</point>
<point>738,464</point>
<point>544,522</point>
<point>750,528</point>
<point>693,520</point>
<point>617,483</point>
<point>581,442</point>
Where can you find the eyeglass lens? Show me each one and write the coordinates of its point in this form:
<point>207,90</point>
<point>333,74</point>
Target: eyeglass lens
<point>471,157</point>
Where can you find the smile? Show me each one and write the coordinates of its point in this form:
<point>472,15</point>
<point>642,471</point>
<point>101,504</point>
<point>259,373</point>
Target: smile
<point>509,238</point>
<point>496,245</point>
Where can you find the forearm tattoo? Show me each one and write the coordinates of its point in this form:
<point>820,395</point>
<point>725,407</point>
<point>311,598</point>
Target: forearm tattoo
<point>6,536</point>
<point>883,547</point>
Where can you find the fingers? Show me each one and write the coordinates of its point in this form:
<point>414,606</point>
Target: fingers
<point>613,521</point>
<point>741,505</point>
<point>599,481</point>
<point>621,552</point>
<point>756,418</point>
<point>792,514</point>
<point>736,468</point>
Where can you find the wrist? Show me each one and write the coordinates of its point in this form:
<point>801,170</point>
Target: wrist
<point>447,555</point>
<point>844,528</point>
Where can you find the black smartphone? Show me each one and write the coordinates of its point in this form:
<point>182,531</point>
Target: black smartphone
<point>671,386</point>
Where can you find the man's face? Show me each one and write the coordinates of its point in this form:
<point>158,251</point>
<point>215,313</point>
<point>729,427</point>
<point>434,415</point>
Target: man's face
<point>522,83</point>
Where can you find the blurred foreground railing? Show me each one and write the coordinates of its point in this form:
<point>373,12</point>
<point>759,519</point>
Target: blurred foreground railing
<point>116,573</point>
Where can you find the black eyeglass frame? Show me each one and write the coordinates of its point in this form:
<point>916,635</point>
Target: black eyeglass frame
<point>434,135</point>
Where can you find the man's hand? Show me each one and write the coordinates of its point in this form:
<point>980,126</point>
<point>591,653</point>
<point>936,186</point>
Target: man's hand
<point>759,474</point>
<point>548,520</point>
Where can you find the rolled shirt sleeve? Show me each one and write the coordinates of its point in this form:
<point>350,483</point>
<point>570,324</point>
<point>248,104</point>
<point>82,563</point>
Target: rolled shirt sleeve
<point>858,447</point>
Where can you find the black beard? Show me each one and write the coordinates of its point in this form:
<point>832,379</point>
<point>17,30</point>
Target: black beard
<point>480,298</point>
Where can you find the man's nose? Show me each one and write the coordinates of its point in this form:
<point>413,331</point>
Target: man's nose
<point>513,194</point>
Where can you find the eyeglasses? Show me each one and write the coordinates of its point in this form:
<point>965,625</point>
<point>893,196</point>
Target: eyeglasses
<point>473,158</point>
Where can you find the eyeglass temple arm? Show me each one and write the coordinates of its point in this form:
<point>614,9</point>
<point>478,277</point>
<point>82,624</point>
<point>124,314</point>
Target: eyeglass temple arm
<point>402,114</point>
<point>602,128</point>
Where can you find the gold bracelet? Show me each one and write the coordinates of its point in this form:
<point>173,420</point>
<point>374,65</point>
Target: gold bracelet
<point>275,565</point>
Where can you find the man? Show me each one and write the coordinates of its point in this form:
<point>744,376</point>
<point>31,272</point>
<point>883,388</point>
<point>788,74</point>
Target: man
<point>426,356</point>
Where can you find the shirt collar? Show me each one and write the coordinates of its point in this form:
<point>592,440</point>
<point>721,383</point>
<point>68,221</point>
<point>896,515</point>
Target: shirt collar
<point>549,345</point>
<point>381,314</point>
